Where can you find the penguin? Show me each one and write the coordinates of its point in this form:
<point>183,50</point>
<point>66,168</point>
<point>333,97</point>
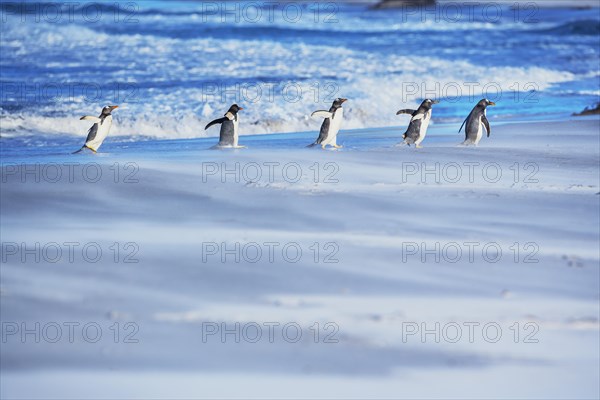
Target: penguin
<point>229,134</point>
<point>474,122</point>
<point>99,131</point>
<point>419,122</point>
<point>331,125</point>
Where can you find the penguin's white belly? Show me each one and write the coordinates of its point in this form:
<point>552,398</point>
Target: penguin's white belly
<point>334,128</point>
<point>424,126</point>
<point>479,132</point>
<point>101,133</point>
<point>236,132</point>
<point>480,128</point>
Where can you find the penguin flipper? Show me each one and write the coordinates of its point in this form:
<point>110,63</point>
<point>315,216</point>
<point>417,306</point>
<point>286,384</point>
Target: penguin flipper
<point>406,111</point>
<point>322,114</point>
<point>216,121</point>
<point>463,124</point>
<point>90,118</point>
<point>486,123</point>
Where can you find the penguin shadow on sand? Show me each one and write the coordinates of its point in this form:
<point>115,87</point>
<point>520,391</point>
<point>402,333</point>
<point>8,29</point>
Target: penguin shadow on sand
<point>331,124</point>
<point>229,134</point>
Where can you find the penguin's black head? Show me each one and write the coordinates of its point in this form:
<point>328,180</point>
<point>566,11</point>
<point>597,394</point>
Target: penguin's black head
<point>234,109</point>
<point>108,110</point>
<point>485,102</point>
<point>427,103</point>
<point>337,103</point>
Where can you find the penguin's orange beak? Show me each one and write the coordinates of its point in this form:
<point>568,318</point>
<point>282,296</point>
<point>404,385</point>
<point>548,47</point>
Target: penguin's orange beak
<point>241,108</point>
<point>113,107</point>
<point>492,103</point>
<point>344,100</point>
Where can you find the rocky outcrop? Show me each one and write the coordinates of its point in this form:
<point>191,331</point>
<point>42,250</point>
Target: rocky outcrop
<point>589,111</point>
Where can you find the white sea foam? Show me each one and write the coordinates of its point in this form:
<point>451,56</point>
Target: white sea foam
<point>173,87</point>
<point>374,99</point>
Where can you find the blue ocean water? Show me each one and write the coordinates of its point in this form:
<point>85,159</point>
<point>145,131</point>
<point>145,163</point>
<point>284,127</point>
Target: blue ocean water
<point>173,66</point>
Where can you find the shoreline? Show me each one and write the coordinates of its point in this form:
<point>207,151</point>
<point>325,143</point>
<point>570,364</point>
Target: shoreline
<point>444,129</point>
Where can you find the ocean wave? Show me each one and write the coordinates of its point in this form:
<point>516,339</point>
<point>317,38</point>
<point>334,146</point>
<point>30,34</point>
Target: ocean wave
<point>180,85</point>
<point>183,112</point>
<point>171,84</point>
<point>580,27</point>
<point>199,19</point>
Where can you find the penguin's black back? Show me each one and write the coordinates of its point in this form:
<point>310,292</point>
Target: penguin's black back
<point>414,129</point>
<point>324,130</point>
<point>473,122</point>
<point>227,133</point>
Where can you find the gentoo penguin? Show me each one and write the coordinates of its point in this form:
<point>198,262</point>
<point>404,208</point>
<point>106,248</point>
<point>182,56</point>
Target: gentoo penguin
<point>475,120</point>
<point>419,122</point>
<point>331,125</point>
<point>229,128</point>
<point>99,131</point>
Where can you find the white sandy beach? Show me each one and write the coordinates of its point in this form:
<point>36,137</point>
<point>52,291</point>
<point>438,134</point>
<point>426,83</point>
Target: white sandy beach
<point>376,213</point>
